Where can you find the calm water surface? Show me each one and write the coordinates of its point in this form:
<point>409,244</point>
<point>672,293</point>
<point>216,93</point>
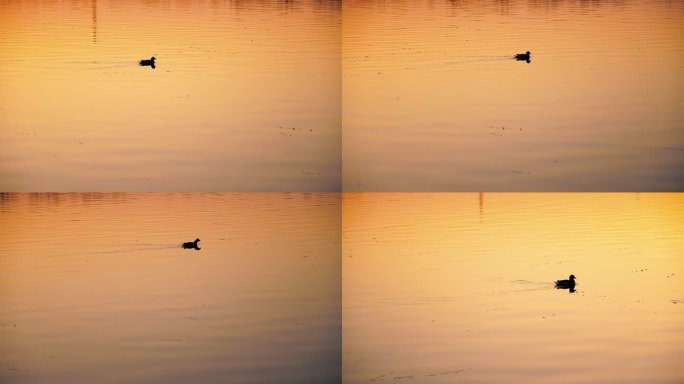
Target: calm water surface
<point>245,96</point>
<point>459,288</point>
<point>96,288</point>
<point>434,101</point>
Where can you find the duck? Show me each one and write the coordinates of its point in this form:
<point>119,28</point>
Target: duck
<point>149,62</point>
<point>566,283</point>
<point>520,56</point>
<point>191,244</point>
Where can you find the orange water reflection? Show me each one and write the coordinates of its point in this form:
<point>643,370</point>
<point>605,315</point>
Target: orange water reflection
<point>433,100</point>
<point>443,288</point>
<point>244,96</point>
<point>93,283</point>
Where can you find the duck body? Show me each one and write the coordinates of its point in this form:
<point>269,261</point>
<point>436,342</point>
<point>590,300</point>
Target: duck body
<point>147,63</point>
<point>191,244</point>
<point>566,283</point>
<point>523,56</point>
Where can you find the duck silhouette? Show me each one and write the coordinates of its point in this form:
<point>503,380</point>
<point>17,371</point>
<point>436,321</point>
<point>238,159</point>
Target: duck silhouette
<point>566,284</point>
<point>523,56</point>
<point>192,245</point>
<point>147,63</point>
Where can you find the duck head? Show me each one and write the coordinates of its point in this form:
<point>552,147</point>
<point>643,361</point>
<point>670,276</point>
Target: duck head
<point>572,277</point>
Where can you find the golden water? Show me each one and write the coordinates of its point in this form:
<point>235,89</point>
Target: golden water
<point>95,288</point>
<point>245,96</point>
<point>459,288</point>
<point>434,101</point>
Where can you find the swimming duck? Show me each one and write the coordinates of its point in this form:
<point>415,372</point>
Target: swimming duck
<point>149,62</point>
<point>566,283</point>
<point>523,56</point>
<point>191,244</point>
<point>519,56</point>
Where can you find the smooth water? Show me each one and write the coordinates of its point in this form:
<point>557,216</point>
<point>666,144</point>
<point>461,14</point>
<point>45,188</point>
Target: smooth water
<point>459,288</point>
<point>434,101</point>
<point>95,288</point>
<point>245,96</point>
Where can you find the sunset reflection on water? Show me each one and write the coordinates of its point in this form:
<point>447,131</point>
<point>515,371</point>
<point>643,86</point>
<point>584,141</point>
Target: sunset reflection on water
<point>444,288</point>
<point>245,96</point>
<point>434,101</point>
